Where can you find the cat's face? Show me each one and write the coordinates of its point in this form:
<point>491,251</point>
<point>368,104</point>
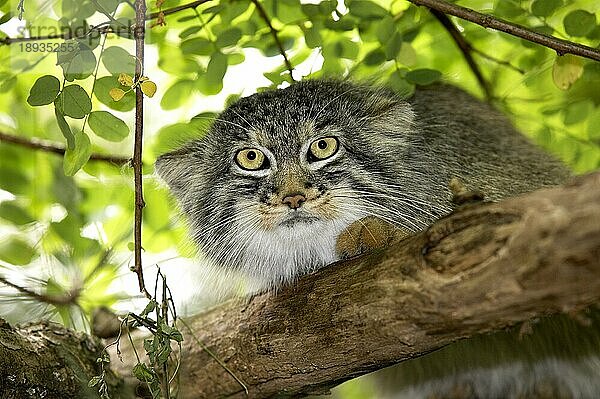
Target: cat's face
<point>281,174</point>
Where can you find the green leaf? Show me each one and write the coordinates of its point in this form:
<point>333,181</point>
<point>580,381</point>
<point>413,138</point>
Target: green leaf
<point>16,251</point>
<point>217,67</point>
<point>288,11</point>
<point>367,9</point>
<point>375,57</point>
<point>343,48</point>
<point>198,46</point>
<point>64,127</point>
<point>545,8</point>
<point>44,91</point>
<point>77,157</point>
<point>567,69</point>
<point>73,101</point>
<point>272,49</point>
<point>76,59</point>
<point>176,335</point>
<point>6,17</point>
<point>407,55</point>
<point>118,60</point>
<point>579,23</point>
<point>107,6</point>
<point>8,82</point>
<point>149,308</point>
<point>13,212</point>
<point>95,381</point>
<point>593,122</point>
<point>102,92</point>
<point>508,9</point>
<point>312,37</point>
<point>385,29</point>
<point>177,94</point>
<point>393,46</point>
<point>192,30</point>
<point>423,76</point>
<point>143,373</point>
<point>108,126</point>
<point>228,37</point>
<point>578,112</point>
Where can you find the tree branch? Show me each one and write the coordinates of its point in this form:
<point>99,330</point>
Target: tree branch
<point>265,17</point>
<point>48,360</point>
<point>484,268</point>
<point>140,32</point>
<point>40,145</point>
<point>466,49</point>
<point>487,21</point>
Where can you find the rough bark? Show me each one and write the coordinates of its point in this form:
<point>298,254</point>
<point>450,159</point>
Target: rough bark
<point>46,360</point>
<point>483,268</point>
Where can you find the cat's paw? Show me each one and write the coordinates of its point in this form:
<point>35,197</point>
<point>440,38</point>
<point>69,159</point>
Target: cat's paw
<point>365,235</point>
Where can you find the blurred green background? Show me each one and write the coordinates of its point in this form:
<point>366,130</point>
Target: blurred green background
<point>66,224</point>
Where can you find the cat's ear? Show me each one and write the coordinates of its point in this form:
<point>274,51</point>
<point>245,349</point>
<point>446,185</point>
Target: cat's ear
<point>176,168</point>
<point>390,114</point>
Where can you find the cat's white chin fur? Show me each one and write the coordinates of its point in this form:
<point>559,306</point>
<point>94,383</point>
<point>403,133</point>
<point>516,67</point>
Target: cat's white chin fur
<point>278,256</point>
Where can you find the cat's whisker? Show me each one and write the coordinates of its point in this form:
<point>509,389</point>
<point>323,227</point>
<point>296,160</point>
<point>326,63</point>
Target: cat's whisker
<point>217,119</point>
<point>352,193</point>
<point>367,207</point>
<point>242,118</point>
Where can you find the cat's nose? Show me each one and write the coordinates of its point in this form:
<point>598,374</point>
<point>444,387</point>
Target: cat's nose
<point>294,201</point>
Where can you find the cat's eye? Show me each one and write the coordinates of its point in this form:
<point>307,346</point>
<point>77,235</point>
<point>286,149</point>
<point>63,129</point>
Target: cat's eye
<point>323,148</point>
<point>251,159</point>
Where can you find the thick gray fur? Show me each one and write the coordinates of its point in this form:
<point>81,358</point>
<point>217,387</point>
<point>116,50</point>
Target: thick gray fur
<point>396,159</point>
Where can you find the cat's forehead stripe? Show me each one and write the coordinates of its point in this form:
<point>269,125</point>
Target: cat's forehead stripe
<point>298,132</point>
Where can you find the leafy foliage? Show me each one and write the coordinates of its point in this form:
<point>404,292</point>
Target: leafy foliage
<point>64,216</point>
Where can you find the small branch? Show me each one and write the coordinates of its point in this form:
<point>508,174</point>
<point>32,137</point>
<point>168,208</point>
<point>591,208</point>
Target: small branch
<point>265,17</point>
<point>176,9</point>
<point>140,31</point>
<point>466,49</point>
<point>69,298</point>
<point>498,61</point>
<point>40,145</point>
<point>487,21</point>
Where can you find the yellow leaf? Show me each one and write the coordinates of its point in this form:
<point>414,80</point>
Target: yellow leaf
<point>566,70</point>
<point>116,94</point>
<point>125,80</point>
<point>148,88</point>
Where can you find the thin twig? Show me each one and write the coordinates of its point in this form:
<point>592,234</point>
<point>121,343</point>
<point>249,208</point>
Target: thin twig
<point>176,9</point>
<point>487,21</point>
<point>466,49</point>
<point>498,61</point>
<point>69,298</point>
<point>265,17</point>
<point>140,30</point>
<point>41,145</point>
